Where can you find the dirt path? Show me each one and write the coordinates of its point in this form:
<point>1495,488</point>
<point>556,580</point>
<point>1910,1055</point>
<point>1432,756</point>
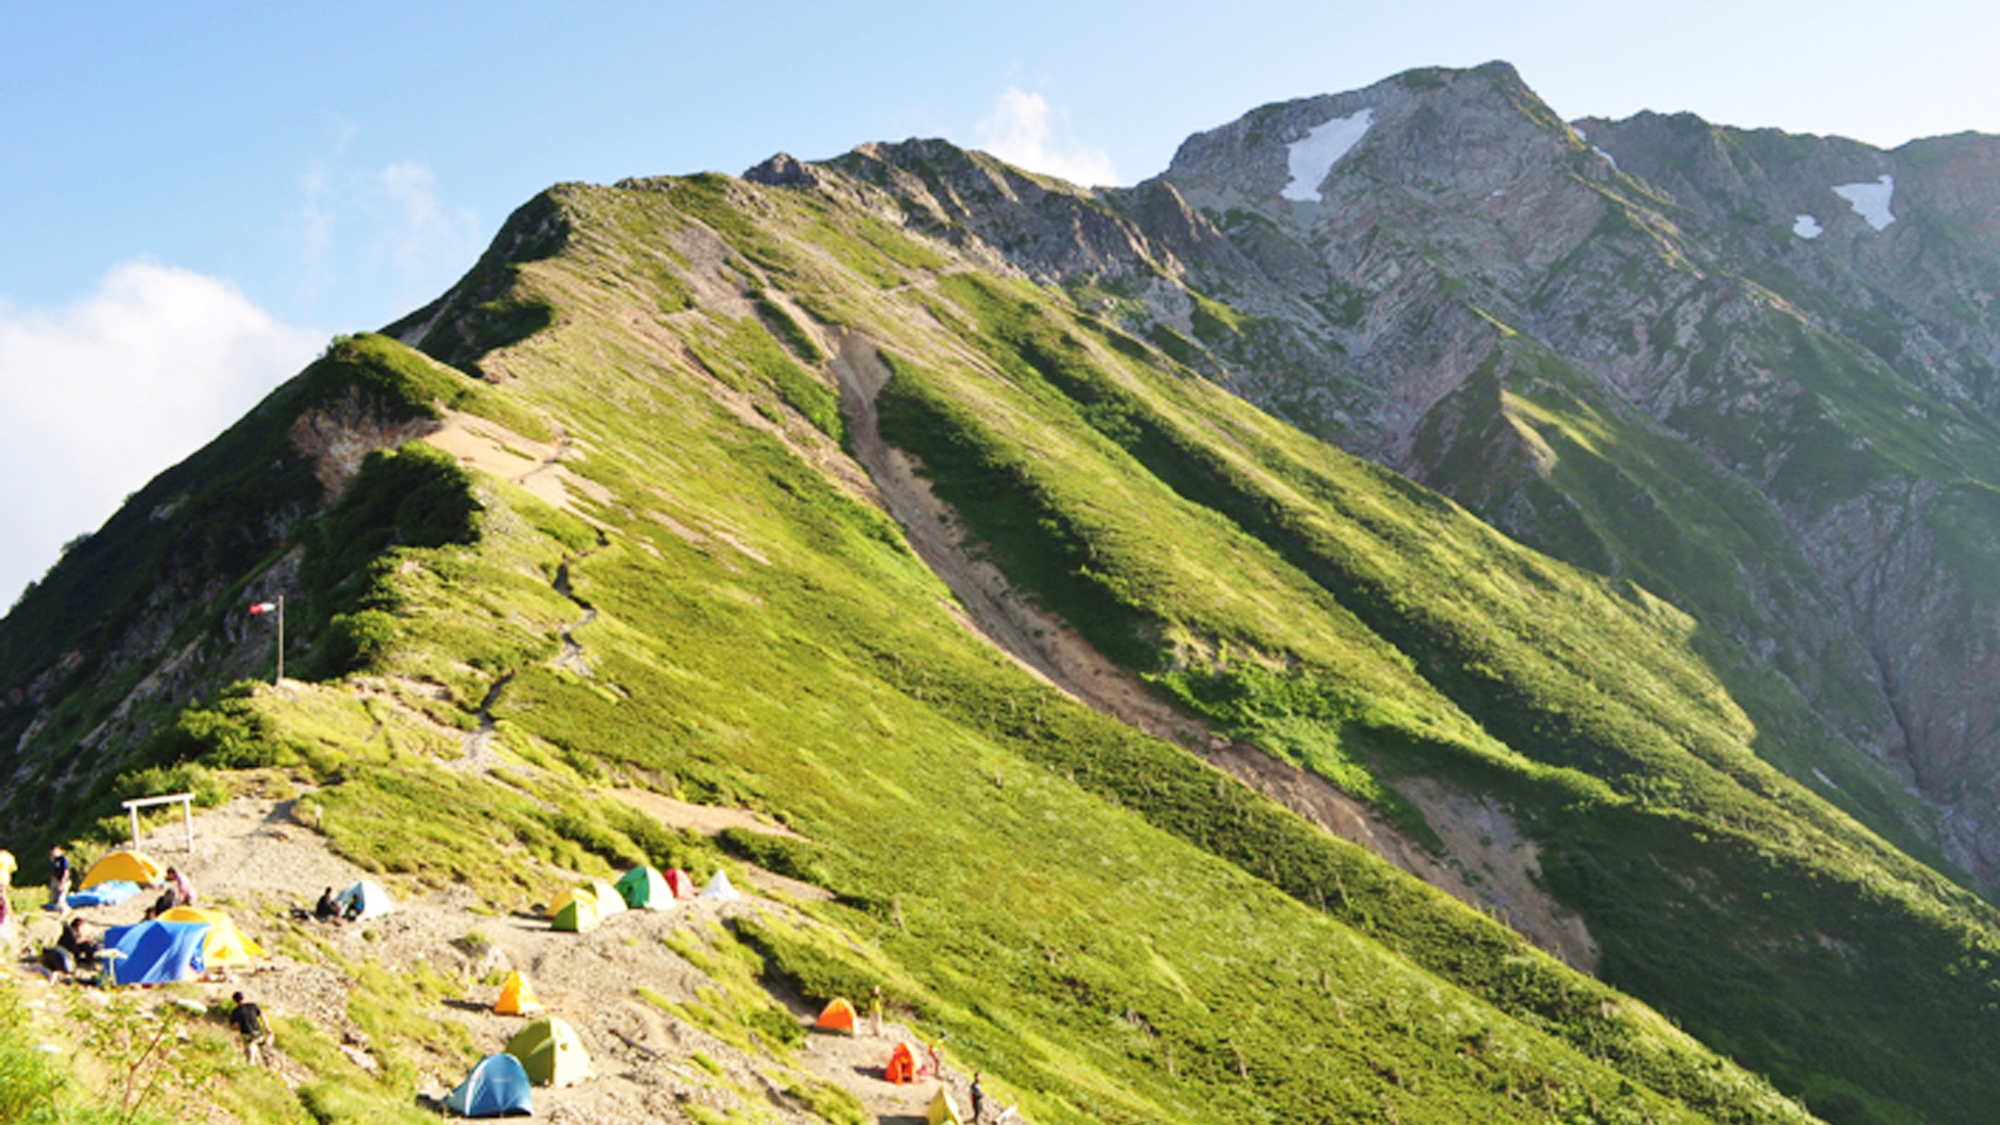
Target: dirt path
<point>856,1063</point>
<point>534,465</point>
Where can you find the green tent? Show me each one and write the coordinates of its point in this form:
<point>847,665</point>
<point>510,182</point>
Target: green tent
<point>578,915</point>
<point>551,1053</point>
<point>644,888</point>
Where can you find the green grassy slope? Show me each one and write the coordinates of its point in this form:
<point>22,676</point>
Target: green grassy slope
<point>1116,930</point>
<point>1567,670</point>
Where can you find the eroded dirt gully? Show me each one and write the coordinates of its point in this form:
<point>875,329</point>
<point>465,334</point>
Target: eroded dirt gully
<point>1491,865</point>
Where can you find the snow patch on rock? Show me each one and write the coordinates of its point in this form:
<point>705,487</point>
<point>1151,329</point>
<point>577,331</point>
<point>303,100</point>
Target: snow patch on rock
<point>1805,226</point>
<point>1870,201</point>
<point>1313,156</point>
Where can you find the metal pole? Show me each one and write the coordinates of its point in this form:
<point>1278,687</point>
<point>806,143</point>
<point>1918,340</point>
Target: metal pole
<point>134,810</point>
<point>281,656</point>
<point>187,817</point>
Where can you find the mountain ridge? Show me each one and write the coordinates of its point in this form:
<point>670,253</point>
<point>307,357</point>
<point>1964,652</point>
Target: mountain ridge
<point>1070,375</point>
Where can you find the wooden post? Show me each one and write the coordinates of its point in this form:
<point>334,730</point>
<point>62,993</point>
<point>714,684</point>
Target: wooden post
<point>187,814</point>
<point>281,667</point>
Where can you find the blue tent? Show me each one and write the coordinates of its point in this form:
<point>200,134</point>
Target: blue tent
<point>497,1087</point>
<point>111,892</point>
<point>365,900</point>
<point>157,952</point>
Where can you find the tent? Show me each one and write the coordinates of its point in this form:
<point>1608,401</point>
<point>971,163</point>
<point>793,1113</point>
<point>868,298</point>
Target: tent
<point>517,997</point>
<point>902,1068</point>
<point>551,1053</point>
<point>643,888</point>
<point>497,1087</point>
<point>943,1109</point>
<point>157,952</point>
<point>571,895</point>
<point>226,944</point>
<point>365,900</point>
<point>111,892</point>
<point>720,887</point>
<point>609,901</point>
<point>837,1016</point>
<point>128,866</point>
<point>578,915</point>
<point>679,883</point>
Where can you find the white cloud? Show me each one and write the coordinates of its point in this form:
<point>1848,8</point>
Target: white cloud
<point>387,229</point>
<point>98,397</point>
<point>1022,130</point>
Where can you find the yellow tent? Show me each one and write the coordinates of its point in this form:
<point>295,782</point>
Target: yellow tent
<point>226,944</point>
<point>7,868</point>
<point>578,915</point>
<point>551,1053</point>
<point>517,997</point>
<point>131,867</point>
<point>571,895</point>
<point>943,1109</point>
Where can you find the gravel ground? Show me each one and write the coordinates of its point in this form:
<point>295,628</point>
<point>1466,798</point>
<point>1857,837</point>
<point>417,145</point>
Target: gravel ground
<point>252,859</point>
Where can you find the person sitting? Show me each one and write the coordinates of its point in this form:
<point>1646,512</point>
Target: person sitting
<point>167,901</point>
<point>327,910</point>
<point>59,962</point>
<point>74,942</point>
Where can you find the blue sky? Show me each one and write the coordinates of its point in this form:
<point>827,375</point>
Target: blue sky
<point>195,196</point>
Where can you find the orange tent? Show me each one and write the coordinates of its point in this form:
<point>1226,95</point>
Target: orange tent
<point>679,883</point>
<point>517,997</point>
<point>902,1066</point>
<point>838,1016</point>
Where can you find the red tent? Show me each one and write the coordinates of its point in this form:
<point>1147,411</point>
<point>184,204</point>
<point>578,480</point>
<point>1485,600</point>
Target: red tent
<point>902,1066</point>
<point>679,883</point>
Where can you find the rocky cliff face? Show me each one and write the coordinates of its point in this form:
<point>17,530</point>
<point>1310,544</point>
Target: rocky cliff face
<point>1751,371</point>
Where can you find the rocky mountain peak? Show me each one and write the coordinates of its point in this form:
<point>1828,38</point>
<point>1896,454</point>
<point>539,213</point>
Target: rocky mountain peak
<point>1436,131</point>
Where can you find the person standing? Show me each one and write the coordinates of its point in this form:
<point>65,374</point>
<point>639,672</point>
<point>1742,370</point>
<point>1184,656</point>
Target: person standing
<point>978,1099</point>
<point>183,890</point>
<point>875,1012</point>
<point>58,880</point>
<point>248,1020</point>
<point>6,885</point>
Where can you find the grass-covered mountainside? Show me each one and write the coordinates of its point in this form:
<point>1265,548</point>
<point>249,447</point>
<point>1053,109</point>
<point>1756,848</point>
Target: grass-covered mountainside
<point>1754,372</point>
<point>829,492</point>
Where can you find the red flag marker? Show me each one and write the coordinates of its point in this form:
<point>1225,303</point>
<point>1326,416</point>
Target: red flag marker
<point>264,607</point>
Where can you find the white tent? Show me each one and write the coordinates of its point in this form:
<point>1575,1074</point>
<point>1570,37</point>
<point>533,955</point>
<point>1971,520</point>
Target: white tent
<point>720,887</point>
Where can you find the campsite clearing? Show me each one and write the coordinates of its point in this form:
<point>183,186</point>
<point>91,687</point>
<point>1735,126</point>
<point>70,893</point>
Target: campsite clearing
<point>661,1033</point>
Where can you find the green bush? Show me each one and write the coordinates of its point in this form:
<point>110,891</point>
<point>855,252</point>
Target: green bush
<point>353,642</point>
<point>793,858</point>
<point>186,777</point>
